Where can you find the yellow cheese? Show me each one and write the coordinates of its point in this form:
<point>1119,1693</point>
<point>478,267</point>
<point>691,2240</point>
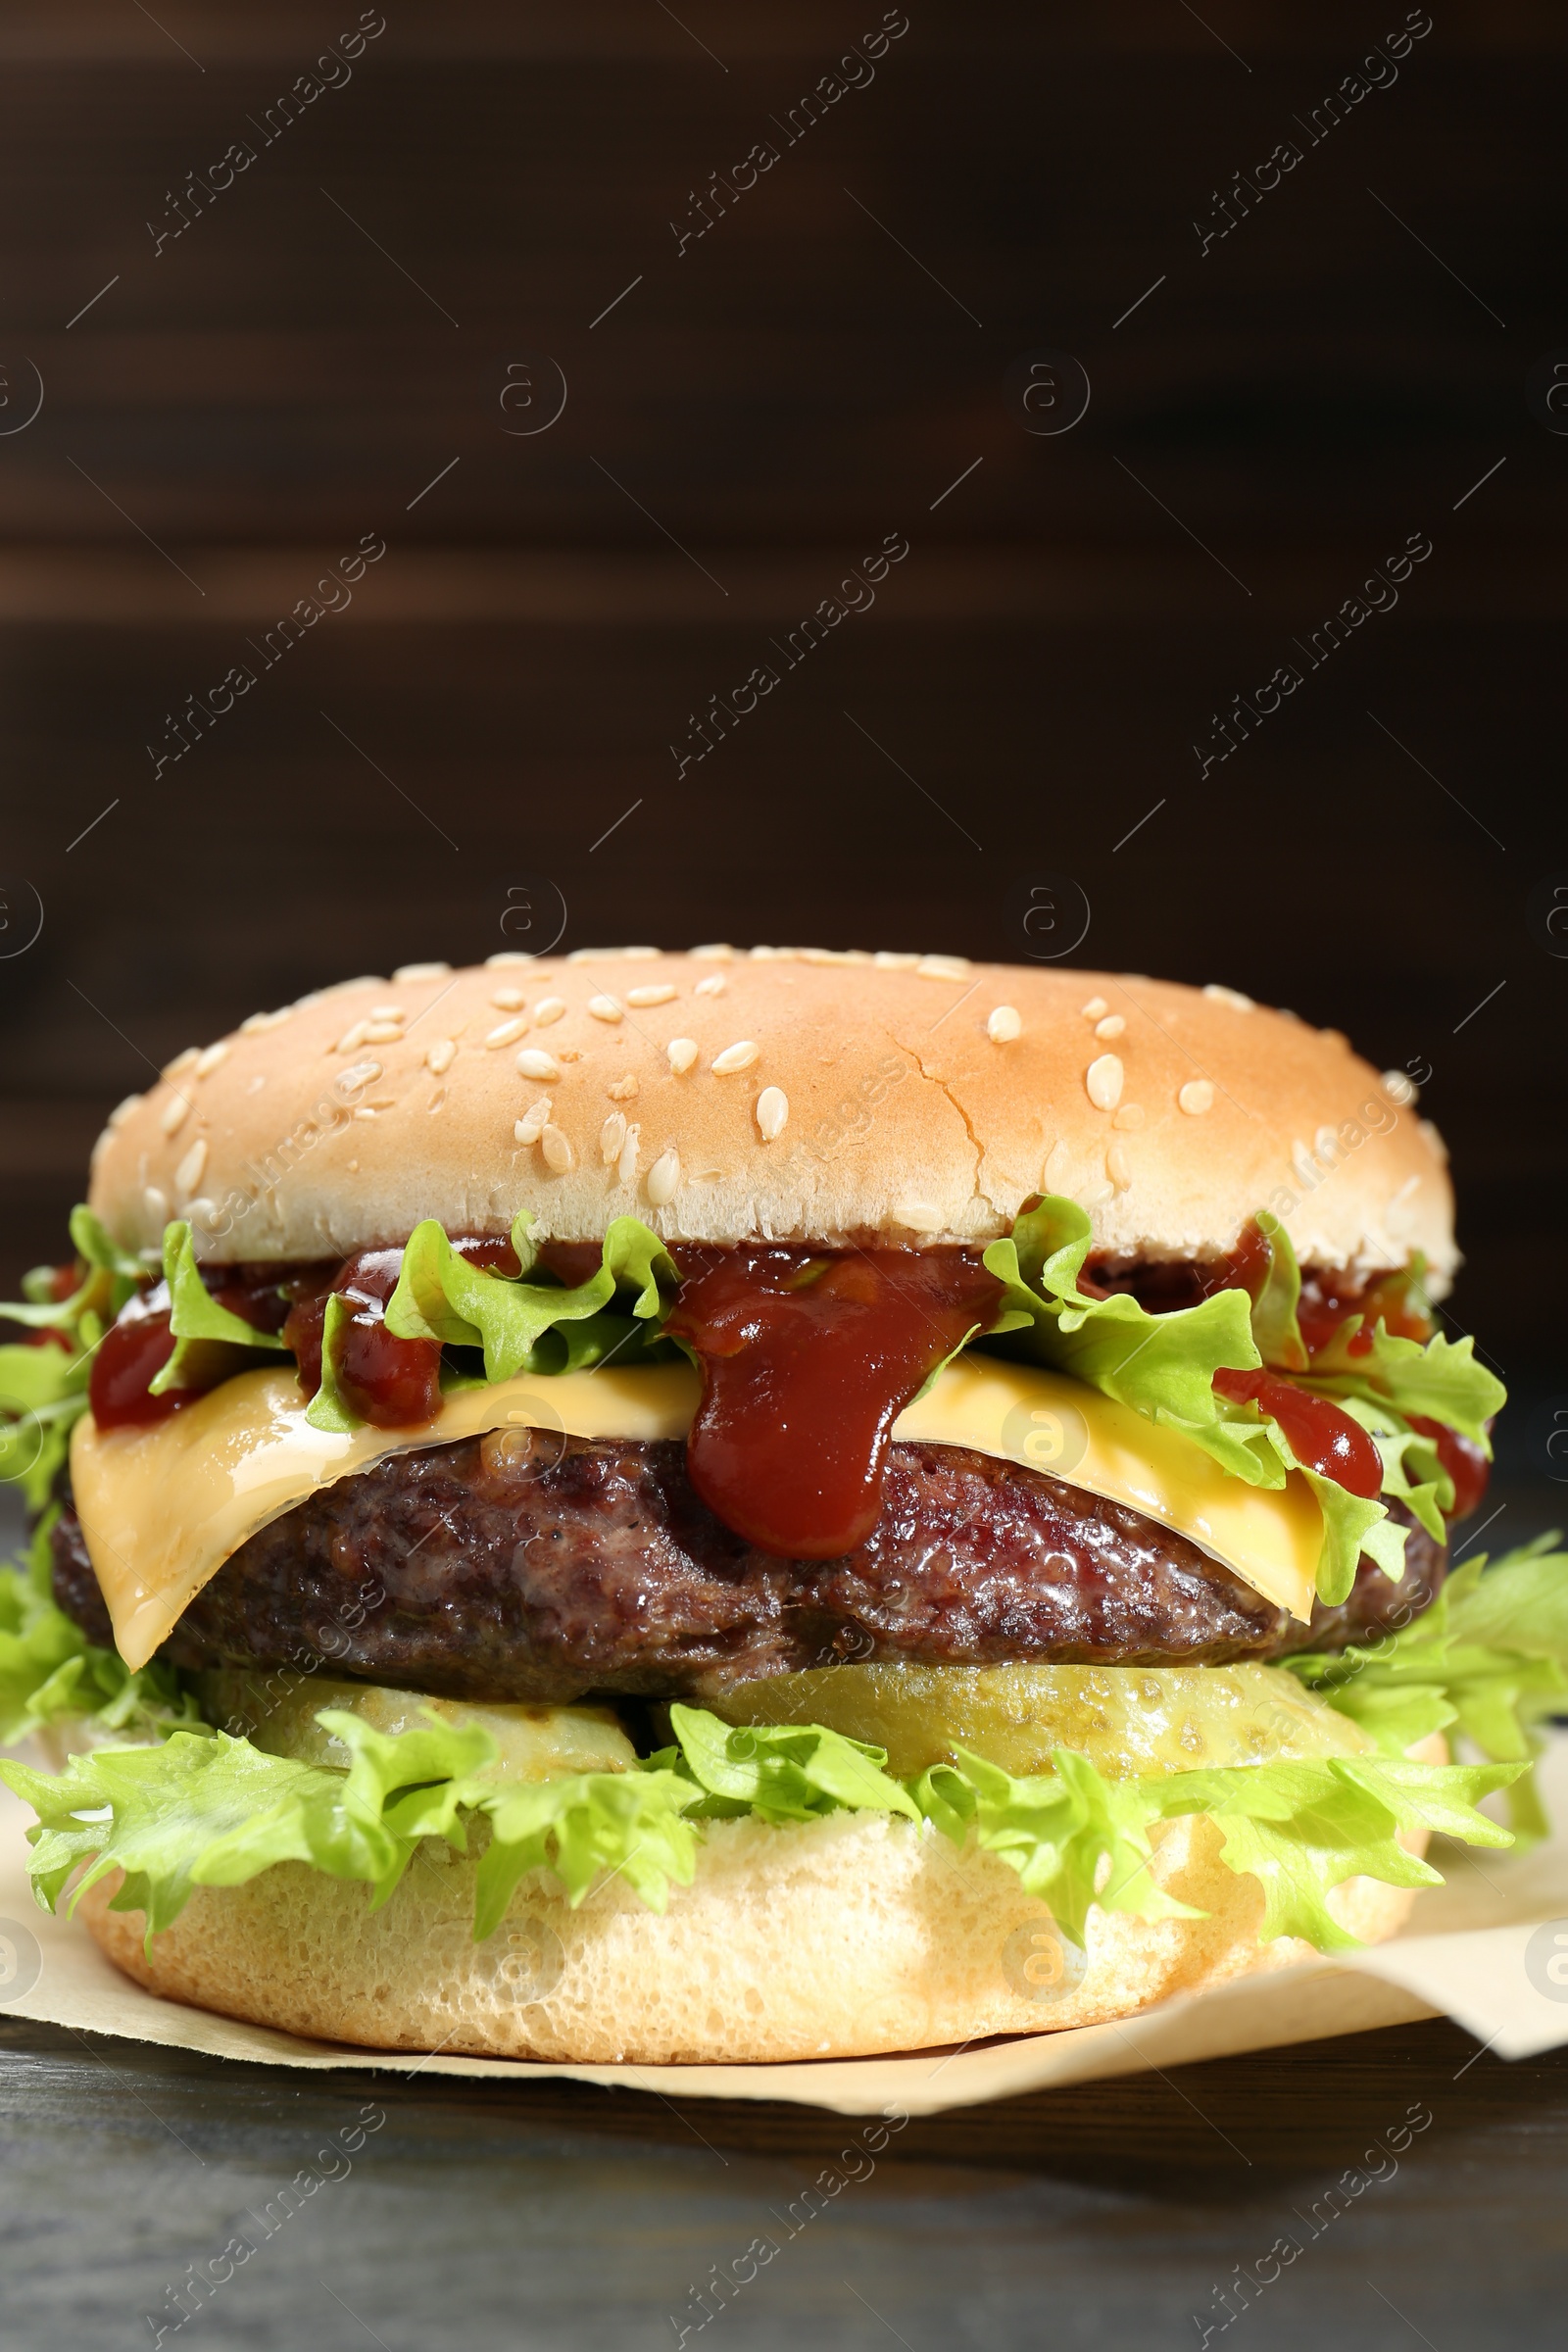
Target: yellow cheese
<point>163,1509</point>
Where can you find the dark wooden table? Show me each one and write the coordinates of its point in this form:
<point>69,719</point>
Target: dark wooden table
<point>479,2216</point>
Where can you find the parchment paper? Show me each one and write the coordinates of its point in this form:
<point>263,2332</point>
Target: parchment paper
<point>1480,1948</point>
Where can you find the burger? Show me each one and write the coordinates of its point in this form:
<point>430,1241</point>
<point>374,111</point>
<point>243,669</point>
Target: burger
<point>754,1506</point>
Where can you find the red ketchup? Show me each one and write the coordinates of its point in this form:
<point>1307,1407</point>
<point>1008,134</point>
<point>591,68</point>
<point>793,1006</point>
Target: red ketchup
<point>1321,1436</point>
<point>127,1360</point>
<point>393,1382</point>
<point>808,1361</point>
<point>1464,1460</point>
<point>134,1350</point>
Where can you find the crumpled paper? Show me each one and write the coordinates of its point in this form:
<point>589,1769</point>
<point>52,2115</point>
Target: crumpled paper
<point>1489,1948</point>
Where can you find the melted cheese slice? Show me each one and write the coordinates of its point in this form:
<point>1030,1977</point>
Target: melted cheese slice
<point>163,1509</point>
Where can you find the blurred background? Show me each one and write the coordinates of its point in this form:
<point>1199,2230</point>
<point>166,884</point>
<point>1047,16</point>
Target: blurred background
<point>608,343</point>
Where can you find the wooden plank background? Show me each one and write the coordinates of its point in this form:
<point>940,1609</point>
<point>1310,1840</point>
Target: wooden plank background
<point>319,356</point>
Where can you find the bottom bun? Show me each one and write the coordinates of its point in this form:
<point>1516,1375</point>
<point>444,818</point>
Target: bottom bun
<point>838,1938</point>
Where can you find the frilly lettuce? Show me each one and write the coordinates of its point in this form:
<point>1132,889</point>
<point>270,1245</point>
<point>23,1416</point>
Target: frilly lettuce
<point>205,1809</point>
<point>1164,1366</point>
<point>210,1342</point>
<point>1489,1658</point>
<point>1301,1829</point>
<point>525,1323</point>
<point>51,1673</point>
<point>43,1388</point>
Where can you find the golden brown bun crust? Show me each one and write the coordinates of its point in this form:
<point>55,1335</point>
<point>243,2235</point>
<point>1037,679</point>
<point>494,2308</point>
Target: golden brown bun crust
<point>925,1101</point>
<point>837,1939</point>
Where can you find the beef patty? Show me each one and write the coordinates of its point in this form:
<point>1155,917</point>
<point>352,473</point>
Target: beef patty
<point>517,1566</point>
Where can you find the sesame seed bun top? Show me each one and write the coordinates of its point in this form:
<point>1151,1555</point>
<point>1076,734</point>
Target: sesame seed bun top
<point>784,1093</point>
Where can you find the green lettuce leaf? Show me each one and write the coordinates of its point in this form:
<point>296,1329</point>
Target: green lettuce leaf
<point>1489,1658</point>
<point>1302,1829</point>
<point>1163,1365</point>
<point>783,1772</point>
<point>1299,1828</point>
<point>1073,1838</point>
<point>329,1409</point>
<point>210,1344</point>
<point>204,1809</point>
<point>441,1297</point>
<point>1438,1379</point>
<point>1275,1330</point>
<point>51,1673</point>
<point>43,1388</point>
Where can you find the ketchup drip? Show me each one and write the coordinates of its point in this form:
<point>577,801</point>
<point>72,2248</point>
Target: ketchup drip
<point>1321,1436</point>
<point>807,1363</point>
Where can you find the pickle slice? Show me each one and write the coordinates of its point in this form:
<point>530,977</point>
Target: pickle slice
<point>1131,1722</point>
<point>278,1711</point>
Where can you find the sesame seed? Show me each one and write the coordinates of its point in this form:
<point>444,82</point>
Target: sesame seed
<point>1096,1009</point>
<point>773,1110</point>
<point>624,1090</point>
<point>266,1020</point>
<point>532,1126</point>
<point>353,1038</point>
<point>739,1057</point>
<point>887,961</point>
<point>188,1174</point>
<point>1116,1167</point>
<point>210,1057</point>
<point>920,1216</point>
<point>508,1000</point>
<point>713,954</point>
<point>122,1111</point>
<point>1398,1087</point>
<point>440,1054</point>
<point>560,1157</point>
<point>383,1033</point>
<point>943,968</point>
<point>173,1112</point>
<point>605,1008</point>
<point>534,1062</point>
<point>507,1033</point>
<point>1058,1168</point>
<point>507,955</point>
<point>437,1098</point>
<point>627,1165</point>
<point>713,986</point>
<point>1195,1097</point>
<point>387,1013</point>
<point>664,1177</point>
<point>1130,1115</point>
<point>1232,996</point>
<point>1111,1026</point>
<point>366,1110</point>
<point>359,1074</point>
<point>156,1208</point>
<point>682,1052</point>
<point>549,1009</point>
<point>612,1136</point>
<point>183,1062</point>
<point>419,971</point>
<point>1004,1025</point>
<point>1103,1078</point>
<point>643,997</point>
